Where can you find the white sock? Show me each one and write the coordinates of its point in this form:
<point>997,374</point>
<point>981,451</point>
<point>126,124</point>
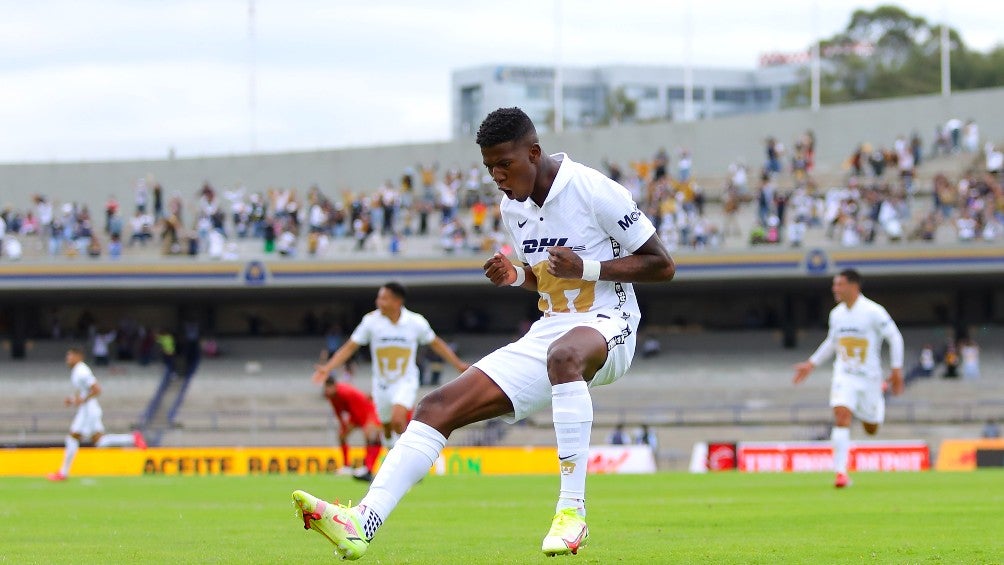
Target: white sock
<point>410,460</point>
<point>841,440</point>
<point>572,408</point>
<point>72,445</point>
<point>392,440</point>
<point>116,440</point>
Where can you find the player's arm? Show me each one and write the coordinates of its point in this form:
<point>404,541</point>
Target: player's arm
<point>649,263</point>
<point>503,272</point>
<point>822,353</point>
<point>894,338</point>
<point>339,358</point>
<point>93,392</point>
<point>444,350</point>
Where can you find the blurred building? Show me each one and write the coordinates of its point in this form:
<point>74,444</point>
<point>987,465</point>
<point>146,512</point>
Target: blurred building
<point>594,96</point>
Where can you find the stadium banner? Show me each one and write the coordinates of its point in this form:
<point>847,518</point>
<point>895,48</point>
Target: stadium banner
<point>238,461</point>
<point>534,460</point>
<point>759,457</point>
<point>961,454</point>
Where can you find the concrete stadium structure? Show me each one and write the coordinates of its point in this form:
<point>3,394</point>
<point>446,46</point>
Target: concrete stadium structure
<point>714,143</point>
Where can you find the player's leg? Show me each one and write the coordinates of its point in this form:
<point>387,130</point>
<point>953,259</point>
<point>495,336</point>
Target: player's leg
<point>840,438</point>
<point>116,440</point>
<point>871,409</point>
<point>371,432</point>
<point>472,397</point>
<point>843,399</point>
<point>343,445</point>
<point>86,423</point>
<point>72,444</point>
<point>572,360</point>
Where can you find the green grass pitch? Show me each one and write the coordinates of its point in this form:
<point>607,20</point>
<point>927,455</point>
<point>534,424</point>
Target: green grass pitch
<point>663,518</point>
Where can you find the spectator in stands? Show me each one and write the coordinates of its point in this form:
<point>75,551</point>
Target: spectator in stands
<point>87,422</point>
<point>990,430</point>
<point>165,343</point>
<point>100,346</point>
<point>925,365</point>
<point>618,436</point>
<point>645,436</point>
<point>951,360</point>
<point>969,352</point>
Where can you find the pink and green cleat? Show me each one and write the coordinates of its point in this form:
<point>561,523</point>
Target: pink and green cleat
<point>340,524</point>
<point>567,535</point>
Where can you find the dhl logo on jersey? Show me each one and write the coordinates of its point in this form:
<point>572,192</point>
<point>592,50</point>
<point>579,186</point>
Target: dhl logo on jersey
<point>541,245</point>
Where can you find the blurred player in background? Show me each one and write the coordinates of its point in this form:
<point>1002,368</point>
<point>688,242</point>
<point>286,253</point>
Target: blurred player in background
<point>857,328</point>
<point>354,410</point>
<point>581,241</point>
<point>87,423</point>
<point>393,334</point>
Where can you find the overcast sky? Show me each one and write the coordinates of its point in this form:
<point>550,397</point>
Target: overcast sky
<point>107,79</point>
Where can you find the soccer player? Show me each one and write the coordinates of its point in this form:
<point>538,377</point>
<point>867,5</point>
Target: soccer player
<point>858,326</point>
<point>87,422</point>
<point>393,333</point>
<point>581,242</point>
<point>354,410</point>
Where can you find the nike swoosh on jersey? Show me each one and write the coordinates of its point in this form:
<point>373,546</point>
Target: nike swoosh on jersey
<point>521,224</point>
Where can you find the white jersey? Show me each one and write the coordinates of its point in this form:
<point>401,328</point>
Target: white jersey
<point>82,379</point>
<point>594,216</point>
<point>393,345</point>
<point>856,336</point>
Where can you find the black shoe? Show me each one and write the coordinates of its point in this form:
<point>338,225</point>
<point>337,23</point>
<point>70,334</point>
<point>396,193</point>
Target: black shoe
<point>366,476</point>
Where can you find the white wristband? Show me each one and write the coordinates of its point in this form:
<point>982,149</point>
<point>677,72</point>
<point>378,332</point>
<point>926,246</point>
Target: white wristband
<point>520,277</point>
<point>590,270</point>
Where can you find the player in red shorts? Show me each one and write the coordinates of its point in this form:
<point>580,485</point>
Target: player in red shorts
<point>354,409</point>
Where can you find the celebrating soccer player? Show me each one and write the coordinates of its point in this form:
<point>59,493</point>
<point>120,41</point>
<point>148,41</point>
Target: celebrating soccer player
<point>581,241</point>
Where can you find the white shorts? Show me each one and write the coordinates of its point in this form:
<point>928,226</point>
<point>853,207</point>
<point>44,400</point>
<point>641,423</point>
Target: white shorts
<point>520,368</point>
<point>87,422</point>
<point>862,396</point>
<point>402,392</point>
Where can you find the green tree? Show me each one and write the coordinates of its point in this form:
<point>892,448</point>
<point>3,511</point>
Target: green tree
<point>886,52</point>
<point>620,108</point>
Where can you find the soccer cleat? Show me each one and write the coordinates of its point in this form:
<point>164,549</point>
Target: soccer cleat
<point>363,474</point>
<point>567,535</point>
<point>339,524</point>
<point>57,476</point>
<point>138,439</point>
<point>843,480</point>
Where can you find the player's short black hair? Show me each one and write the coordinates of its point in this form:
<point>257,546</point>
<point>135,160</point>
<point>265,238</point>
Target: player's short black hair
<point>504,125</point>
<point>852,276</point>
<point>398,289</point>
<point>75,349</point>
<point>329,381</point>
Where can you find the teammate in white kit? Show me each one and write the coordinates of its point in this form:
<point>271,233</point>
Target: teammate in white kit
<point>581,241</point>
<point>87,423</point>
<point>857,328</point>
<point>393,334</point>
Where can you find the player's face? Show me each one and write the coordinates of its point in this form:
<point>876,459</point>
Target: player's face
<point>387,302</point>
<point>71,358</point>
<point>843,290</point>
<point>513,167</point>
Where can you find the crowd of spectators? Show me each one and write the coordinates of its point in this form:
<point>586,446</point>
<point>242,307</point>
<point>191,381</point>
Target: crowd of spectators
<point>875,201</point>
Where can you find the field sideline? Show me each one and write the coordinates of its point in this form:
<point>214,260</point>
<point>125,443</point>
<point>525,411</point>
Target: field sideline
<point>926,517</point>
